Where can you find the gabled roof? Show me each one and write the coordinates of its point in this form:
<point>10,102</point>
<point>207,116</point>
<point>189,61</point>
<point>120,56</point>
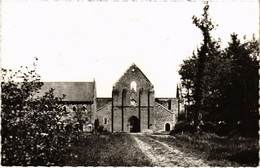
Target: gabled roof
<point>129,69</point>
<point>74,91</point>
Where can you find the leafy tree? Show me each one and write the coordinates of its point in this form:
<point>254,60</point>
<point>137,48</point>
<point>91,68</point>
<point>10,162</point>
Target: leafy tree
<point>240,103</point>
<point>221,84</point>
<point>31,133</point>
<point>208,49</point>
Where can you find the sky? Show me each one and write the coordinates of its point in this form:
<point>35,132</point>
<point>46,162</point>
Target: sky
<point>80,41</point>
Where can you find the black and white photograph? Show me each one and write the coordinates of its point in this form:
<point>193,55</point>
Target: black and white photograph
<point>123,83</point>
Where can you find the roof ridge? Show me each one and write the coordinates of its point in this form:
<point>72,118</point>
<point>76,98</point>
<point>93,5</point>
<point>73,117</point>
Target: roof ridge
<point>164,107</point>
<point>104,106</point>
<point>127,71</point>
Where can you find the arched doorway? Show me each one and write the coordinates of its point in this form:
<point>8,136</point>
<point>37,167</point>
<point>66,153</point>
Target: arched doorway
<point>134,124</point>
<point>167,127</point>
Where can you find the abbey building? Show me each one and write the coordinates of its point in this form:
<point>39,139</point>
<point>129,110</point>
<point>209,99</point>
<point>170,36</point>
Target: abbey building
<point>132,106</point>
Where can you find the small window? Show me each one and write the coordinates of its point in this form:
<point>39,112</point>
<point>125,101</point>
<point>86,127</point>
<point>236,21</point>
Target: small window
<point>133,102</point>
<point>64,108</point>
<point>133,86</point>
<point>84,108</point>
<point>74,108</point>
<point>169,104</point>
<point>105,121</point>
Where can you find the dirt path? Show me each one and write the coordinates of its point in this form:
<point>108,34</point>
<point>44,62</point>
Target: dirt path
<point>164,155</point>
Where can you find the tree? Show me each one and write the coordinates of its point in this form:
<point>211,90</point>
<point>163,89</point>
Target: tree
<point>30,123</point>
<point>206,50</point>
<point>221,84</point>
<point>241,97</point>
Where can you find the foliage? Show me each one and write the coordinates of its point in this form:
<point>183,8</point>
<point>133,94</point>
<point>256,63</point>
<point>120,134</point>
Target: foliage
<point>102,130</point>
<point>31,124</point>
<point>182,127</point>
<point>220,85</point>
<point>239,105</point>
<point>206,51</point>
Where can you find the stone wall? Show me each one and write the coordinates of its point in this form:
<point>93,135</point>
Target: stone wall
<point>162,117</point>
<point>103,115</point>
<point>132,95</point>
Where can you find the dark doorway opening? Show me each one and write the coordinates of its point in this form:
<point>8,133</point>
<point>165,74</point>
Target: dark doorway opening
<point>134,124</point>
<point>167,127</point>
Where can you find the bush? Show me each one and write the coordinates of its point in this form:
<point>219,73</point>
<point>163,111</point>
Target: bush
<point>183,127</point>
<point>30,133</point>
<point>209,127</point>
<point>103,131</point>
<point>246,156</point>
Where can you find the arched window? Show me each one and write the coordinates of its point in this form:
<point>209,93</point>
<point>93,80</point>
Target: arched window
<point>105,121</point>
<point>64,108</point>
<point>84,108</point>
<point>133,86</point>
<point>167,127</point>
<point>74,108</point>
<point>133,102</point>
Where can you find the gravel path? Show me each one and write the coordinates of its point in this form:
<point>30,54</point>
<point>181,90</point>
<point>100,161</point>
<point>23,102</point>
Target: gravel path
<point>164,155</point>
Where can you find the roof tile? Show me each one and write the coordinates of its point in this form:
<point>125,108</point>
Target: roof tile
<point>74,91</point>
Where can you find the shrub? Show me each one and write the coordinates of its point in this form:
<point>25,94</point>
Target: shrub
<point>246,156</point>
<point>209,127</point>
<point>183,127</point>
<point>101,130</point>
<point>30,133</point>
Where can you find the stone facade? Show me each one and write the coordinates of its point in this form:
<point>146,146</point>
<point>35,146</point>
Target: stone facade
<point>103,116</point>
<point>164,117</point>
<point>132,102</point>
<point>133,107</point>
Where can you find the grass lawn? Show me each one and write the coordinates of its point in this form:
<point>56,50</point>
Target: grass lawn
<point>216,150</point>
<point>104,150</point>
<point>122,150</point>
